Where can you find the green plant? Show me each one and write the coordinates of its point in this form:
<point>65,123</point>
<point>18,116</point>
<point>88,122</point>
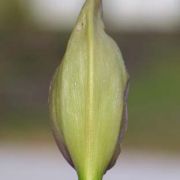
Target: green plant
<point>87,97</point>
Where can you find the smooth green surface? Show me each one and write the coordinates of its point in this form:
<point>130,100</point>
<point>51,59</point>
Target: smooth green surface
<point>87,95</point>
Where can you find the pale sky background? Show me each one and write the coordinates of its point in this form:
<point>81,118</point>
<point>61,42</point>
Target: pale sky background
<point>157,15</point>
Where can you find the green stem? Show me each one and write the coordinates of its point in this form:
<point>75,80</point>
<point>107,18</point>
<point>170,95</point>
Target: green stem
<point>89,178</point>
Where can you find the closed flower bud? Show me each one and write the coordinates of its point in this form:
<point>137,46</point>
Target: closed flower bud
<point>88,97</point>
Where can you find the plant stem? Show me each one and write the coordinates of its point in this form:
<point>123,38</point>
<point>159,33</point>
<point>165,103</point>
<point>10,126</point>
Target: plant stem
<point>89,178</point>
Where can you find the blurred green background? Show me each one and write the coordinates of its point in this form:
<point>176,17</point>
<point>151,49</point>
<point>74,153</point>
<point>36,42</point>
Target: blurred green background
<point>30,52</point>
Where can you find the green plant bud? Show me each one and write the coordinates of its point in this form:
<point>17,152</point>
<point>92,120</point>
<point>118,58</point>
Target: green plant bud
<point>87,97</point>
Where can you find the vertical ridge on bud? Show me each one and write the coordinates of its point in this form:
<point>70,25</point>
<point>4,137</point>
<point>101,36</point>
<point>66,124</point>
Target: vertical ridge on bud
<point>87,97</point>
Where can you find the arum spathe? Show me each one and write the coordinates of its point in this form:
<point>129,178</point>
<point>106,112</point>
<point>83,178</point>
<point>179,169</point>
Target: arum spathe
<point>87,97</point>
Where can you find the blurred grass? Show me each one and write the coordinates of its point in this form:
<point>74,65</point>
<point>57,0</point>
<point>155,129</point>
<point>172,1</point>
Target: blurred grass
<point>154,105</point>
<point>29,59</point>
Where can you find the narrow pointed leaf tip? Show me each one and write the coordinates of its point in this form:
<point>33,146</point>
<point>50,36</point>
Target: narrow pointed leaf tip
<point>88,97</point>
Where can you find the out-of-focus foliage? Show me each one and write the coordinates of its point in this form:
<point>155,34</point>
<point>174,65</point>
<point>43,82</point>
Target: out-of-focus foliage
<point>13,15</point>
